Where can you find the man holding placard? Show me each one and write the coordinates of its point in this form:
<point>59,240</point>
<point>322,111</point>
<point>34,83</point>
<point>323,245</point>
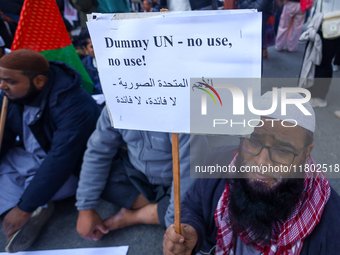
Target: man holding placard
<point>132,169</point>
<point>281,202</point>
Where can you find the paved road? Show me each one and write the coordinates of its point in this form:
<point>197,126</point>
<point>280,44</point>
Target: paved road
<point>60,232</point>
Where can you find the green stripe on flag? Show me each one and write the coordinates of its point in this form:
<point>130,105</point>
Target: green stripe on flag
<point>69,56</point>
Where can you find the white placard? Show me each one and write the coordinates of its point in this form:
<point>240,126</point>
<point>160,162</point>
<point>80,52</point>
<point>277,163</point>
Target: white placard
<point>119,250</point>
<point>145,65</point>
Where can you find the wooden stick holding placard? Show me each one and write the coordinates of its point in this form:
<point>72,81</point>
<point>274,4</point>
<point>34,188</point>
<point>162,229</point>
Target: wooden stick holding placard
<point>176,180</point>
<point>3,118</point>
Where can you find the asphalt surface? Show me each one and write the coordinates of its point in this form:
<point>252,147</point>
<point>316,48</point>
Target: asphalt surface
<point>60,232</point>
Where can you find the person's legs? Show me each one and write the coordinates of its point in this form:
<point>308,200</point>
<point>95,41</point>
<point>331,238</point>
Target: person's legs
<point>290,29</point>
<point>11,189</point>
<point>296,28</point>
<point>124,218</point>
<point>67,190</point>
<point>130,189</point>
<point>119,190</point>
<point>284,25</point>
<point>277,17</point>
<point>324,72</point>
<point>336,61</point>
<point>16,170</point>
<point>337,58</point>
<point>140,202</point>
<point>265,18</point>
<point>28,233</point>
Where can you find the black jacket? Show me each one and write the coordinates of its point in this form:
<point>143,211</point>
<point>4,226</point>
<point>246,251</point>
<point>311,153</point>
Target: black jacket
<point>65,121</point>
<point>260,5</point>
<point>200,202</point>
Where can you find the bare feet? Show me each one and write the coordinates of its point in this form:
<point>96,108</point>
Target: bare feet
<point>124,218</point>
<point>121,220</point>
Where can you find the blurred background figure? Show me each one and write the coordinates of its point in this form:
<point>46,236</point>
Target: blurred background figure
<point>10,12</point>
<point>267,9</point>
<point>84,7</point>
<point>3,49</point>
<point>319,65</point>
<point>336,61</point>
<point>89,61</point>
<point>290,27</point>
<point>177,5</point>
<point>156,4</point>
<point>147,6</point>
<point>269,39</point>
<point>277,14</point>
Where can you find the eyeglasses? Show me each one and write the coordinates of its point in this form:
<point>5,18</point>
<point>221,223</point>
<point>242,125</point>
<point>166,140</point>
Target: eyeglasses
<point>277,155</point>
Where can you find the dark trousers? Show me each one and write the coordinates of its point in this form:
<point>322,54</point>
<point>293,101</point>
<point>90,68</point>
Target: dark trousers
<point>277,17</point>
<point>265,18</point>
<point>324,70</point>
<point>337,58</point>
<point>125,183</point>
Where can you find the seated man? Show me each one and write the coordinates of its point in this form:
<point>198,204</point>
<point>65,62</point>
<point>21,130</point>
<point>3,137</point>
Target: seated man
<point>264,212</point>
<point>137,178</point>
<point>49,119</point>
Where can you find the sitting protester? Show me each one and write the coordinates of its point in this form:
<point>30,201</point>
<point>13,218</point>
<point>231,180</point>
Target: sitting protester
<point>131,169</point>
<point>261,211</point>
<point>49,119</point>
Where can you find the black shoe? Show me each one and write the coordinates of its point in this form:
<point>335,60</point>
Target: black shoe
<point>25,236</point>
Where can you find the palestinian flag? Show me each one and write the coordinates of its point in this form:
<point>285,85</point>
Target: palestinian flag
<point>41,28</point>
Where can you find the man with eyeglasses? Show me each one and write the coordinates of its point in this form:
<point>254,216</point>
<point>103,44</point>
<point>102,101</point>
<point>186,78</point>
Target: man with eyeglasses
<point>280,202</point>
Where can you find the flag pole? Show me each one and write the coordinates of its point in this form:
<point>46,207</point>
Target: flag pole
<point>176,181</point>
<point>3,118</point>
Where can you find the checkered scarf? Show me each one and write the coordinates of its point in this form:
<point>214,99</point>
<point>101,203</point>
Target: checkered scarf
<point>293,232</point>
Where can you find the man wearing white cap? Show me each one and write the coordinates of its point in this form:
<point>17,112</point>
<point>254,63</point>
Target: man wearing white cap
<point>280,203</point>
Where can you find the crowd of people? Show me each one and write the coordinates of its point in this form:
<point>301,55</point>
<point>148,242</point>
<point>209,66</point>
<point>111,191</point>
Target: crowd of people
<point>58,143</point>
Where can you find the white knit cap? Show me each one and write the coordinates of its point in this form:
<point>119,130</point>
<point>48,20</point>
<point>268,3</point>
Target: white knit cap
<point>298,109</point>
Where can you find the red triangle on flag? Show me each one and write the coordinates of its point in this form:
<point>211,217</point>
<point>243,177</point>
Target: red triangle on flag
<point>40,27</point>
